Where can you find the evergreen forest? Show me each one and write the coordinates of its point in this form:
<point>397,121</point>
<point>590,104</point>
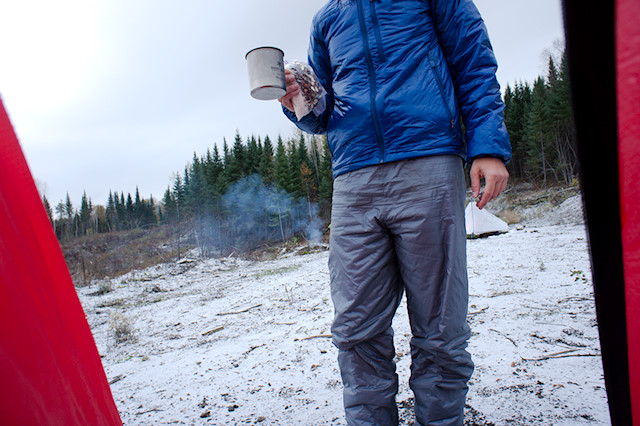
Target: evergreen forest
<point>257,190</point>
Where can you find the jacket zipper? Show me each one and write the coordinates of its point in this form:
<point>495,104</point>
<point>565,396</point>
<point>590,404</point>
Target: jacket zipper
<point>376,28</point>
<point>434,67</point>
<point>372,82</point>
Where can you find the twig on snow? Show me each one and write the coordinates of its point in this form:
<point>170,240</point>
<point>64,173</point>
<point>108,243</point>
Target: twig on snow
<point>240,311</point>
<point>562,354</point>
<point>327,336</point>
<point>117,379</point>
<point>215,330</point>
<point>148,411</point>
<point>478,312</point>
<point>505,336</point>
<point>252,348</point>
<point>550,323</point>
<point>577,299</point>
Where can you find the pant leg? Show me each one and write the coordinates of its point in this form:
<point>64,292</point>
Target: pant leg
<point>366,291</point>
<point>430,242</point>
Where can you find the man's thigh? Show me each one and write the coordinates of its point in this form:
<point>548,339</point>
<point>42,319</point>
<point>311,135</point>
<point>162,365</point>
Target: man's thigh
<point>365,285</point>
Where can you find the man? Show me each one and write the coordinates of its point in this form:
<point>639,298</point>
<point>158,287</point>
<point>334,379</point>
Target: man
<point>400,77</point>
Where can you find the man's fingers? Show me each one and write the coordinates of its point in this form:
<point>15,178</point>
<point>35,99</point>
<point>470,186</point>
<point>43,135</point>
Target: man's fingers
<point>292,90</point>
<point>289,77</point>
<point>475,182</point>
<point>495,184</point>
<point>488,195</point>
<point>495,179</point>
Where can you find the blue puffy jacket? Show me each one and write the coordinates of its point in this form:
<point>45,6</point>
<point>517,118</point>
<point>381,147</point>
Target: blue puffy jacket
<point>399,76</point>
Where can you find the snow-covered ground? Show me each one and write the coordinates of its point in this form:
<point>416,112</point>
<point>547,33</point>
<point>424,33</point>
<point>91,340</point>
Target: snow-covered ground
<point>233,341</point>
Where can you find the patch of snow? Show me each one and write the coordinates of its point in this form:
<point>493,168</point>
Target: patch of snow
<point>569,212</point>
<point>231,341</point>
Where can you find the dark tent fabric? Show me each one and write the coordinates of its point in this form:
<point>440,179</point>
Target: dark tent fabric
<point>50,368</point>
<point>628,91</point>
<point>603,48</point>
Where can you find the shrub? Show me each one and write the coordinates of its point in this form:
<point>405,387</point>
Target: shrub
<point>121,328</point>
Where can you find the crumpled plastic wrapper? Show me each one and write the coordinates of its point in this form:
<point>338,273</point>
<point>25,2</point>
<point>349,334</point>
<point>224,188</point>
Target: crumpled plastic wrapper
<point>311,94</point>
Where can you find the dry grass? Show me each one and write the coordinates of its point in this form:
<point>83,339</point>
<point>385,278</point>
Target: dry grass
<point>116,253</point>
<point>121,328</point>
<point>510,216</point>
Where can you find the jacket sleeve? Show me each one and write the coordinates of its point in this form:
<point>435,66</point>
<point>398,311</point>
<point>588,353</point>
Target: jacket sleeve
<point>465,42</point>
<point>318,58</point>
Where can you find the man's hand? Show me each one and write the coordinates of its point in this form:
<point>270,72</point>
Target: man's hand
<point>495,178</point>
<point>292,90</point>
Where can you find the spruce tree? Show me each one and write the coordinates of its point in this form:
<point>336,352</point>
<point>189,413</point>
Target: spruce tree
<point>260,152</point>
<point>281,166</point>
<point>252,163</point>
<point>110,213</point>
<point>194,188</point>
<point>560,121</point>
<point>296,185</point>
<point>69,213</point>
<point>149,216</point>
<point>68,208</point>
<point>267,165</point>
<point>121,209</point>
<point>178,196</point>
<point>235,164</point>
<point>130,213</point>
<point>137,204</point>
<point>218,175</point>
<point>59,221</point>
<point>169,207</point>
<point>538,161</point>
<point>303,155</point>
<point>85,214</point>
<point>517,105</point>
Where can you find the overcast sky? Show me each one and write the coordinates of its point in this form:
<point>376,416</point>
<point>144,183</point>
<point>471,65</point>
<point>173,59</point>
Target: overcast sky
<point>113,94</point>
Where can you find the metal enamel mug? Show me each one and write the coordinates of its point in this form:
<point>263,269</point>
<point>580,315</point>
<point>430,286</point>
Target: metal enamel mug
<point>266,73</point>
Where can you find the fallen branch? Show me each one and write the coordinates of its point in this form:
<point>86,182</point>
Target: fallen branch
<point>215,330</point>
<point>576,298</point>
<point>505,336</point>
<point>117,379</point>
<point>240,311</point>
<point>148,411</point>
<point>577,355</point>
<point>478,312</point>
<point>252,348</point>
<point>563,354</point>
<point>317,336</point>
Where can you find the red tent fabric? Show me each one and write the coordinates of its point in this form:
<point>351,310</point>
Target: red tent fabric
<point>603,51</point>
<point>628,105</point>
<point>50,369</point>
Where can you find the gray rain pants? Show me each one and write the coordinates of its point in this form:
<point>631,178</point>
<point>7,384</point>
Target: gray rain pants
<point>400,227</point>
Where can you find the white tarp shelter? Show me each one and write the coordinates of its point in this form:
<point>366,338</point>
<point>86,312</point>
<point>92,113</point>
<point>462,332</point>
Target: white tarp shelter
<point>481,223</point>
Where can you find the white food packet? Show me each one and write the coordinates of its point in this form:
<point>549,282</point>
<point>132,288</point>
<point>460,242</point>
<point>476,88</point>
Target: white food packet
<point>311,95</point>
